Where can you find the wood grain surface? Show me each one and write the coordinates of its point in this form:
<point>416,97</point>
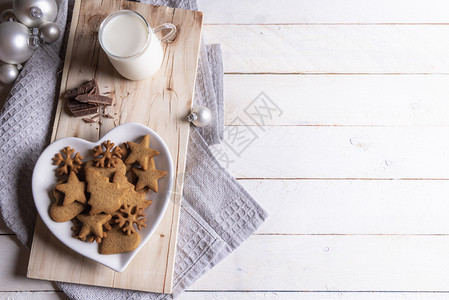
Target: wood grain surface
<point>330,49</point>
<point>325,12</point>
<point>161,103</point>
<point>390,232</point>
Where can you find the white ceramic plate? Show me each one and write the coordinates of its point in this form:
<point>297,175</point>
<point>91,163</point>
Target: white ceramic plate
<point>44,180</point>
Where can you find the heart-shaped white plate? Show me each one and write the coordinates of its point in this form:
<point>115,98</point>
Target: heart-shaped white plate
<point>44,180</point>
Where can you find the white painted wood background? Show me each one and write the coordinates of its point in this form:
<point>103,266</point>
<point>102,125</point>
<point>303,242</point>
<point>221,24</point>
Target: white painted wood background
<point>354,174</point>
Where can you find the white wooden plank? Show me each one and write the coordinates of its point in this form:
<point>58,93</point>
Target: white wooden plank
<point>334,206</point>
<point>188,295</point>
<point>325,11</point>
<point>352,206</point>
<point>339,99</point>
<point>332,48</point>
<point>33,295</point>
<point>279,295</point>
<point>13,262</point>
<point>335,152</point>
<point>333,263</point>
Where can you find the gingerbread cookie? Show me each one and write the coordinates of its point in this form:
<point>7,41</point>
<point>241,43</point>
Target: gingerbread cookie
<point>129,172</point>
<point>105,196</point>
<point>141,153</point>
<point>73,190</point>
<point>63,213</point>
<point>93,225</point>
<point>132,197</point>
<point>66,162</point>
<point>118,242</point>
<point>149,177</point>
<point>107,157</point>
<point>128,216</point>
<point>120,167</point>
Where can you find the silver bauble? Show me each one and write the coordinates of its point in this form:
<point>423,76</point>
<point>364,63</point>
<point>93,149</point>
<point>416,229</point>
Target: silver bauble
<point>49,32</point>
<point>14,43</point>
<point>200,116</point>
<point>8,73</point>
<point>7,16</point>
<point>32,13</point>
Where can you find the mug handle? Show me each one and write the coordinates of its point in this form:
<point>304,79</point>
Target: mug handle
<point>169,37</point>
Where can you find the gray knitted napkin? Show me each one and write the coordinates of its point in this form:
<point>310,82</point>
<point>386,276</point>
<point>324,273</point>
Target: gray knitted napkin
<point>217,214</point>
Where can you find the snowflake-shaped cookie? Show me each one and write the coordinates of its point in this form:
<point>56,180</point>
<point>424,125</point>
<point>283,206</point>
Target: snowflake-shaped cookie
<point>108,157</point>
<point>66,162</point>
<point>128,216</point>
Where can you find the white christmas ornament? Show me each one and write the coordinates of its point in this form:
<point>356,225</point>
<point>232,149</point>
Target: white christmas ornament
<point>49,32</point>
<point>8,73</point>
<point>7,15</point>
<point>32,13</point>
<point>200,116</point>
<point>15,45</point>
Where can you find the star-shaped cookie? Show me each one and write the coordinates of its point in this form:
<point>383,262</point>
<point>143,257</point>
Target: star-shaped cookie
<point>141,153</point>
<point>92,224</point>
<point>73,190</point>
<point>132,198</point>
<point>105,196</point>
<point>148,178</point>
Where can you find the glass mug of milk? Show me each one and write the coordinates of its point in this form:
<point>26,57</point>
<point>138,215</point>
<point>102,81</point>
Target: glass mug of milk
<point>132,45</point>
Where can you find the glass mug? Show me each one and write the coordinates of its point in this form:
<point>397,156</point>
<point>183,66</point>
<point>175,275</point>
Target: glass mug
<point>132,45</point>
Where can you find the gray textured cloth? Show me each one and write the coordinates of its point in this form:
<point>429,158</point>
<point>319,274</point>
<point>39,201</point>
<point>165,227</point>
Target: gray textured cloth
<point>217,214</point>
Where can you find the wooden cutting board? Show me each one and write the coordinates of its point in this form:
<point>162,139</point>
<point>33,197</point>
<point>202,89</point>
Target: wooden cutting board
<point>161,103</point>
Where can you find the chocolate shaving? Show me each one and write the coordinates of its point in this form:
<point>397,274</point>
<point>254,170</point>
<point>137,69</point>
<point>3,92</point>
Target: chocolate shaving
<point>94,99</point>
<point>91,91</point>
<point>87,120</point>
<point>108,116</point>
<point>83,89</point>
<point>96,116</point>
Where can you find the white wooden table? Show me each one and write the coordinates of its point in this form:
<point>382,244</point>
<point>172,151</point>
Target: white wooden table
<point>352,164</point>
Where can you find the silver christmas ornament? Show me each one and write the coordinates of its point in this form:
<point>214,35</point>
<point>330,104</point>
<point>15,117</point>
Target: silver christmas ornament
<point>8,73</point>
<point>32,13</point>
<point>14,46</point>
<point>49,32</point>
<point>200,116</point>
<point>7,16</point>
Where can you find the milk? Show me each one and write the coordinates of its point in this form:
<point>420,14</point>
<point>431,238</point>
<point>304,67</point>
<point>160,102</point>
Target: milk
<point>130,44</point>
